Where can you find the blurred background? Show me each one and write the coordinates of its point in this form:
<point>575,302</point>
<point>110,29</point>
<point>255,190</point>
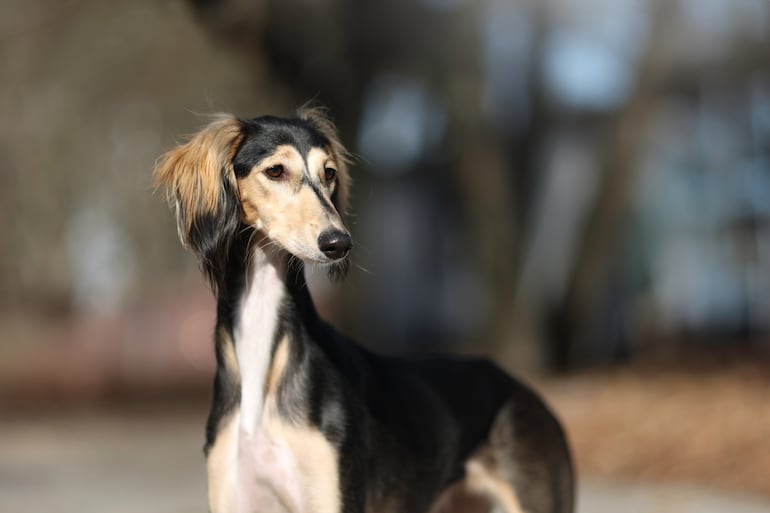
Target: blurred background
<point>578,188</point>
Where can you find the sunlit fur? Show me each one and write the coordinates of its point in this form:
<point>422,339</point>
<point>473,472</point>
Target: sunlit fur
<point>213,205</point>
<point>290,211</point>
<point>198,174</point>
<point>303,419</point>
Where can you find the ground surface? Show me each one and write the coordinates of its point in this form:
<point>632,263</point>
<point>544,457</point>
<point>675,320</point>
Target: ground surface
<point>700,420</point>
<point>151,461</point>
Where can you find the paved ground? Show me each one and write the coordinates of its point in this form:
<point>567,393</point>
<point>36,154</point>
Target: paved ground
<point>144,461</point>
<point>107,464</point>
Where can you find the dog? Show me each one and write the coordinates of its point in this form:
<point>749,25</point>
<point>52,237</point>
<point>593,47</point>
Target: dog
<point>303,419</point>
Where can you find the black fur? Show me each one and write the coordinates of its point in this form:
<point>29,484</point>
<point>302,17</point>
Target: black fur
<point>212,234</point>
<point>264,134</point>
<point>403,427</point>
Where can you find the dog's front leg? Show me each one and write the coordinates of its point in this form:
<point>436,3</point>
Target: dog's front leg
<point>221,466</point>
<point>353,477</point>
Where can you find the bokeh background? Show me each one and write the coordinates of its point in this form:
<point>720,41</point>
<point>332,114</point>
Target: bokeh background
<point>579,188</point>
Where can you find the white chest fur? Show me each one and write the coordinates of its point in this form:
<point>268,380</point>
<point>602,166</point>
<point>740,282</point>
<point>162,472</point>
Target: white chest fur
<point>254,335</point>
<point>259,463</point>
<point>278,469</point>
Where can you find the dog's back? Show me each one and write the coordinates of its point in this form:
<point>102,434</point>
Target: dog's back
<point>439,423</point>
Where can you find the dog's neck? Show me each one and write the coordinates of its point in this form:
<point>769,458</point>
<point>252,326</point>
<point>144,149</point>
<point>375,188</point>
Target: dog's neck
<point>273,294</point>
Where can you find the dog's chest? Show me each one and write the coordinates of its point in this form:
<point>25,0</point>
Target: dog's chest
<point>275,468</point>
<point>260,462</point>
<point>269,478</point>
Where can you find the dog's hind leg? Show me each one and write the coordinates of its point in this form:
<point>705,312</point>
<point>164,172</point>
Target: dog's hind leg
<point>524,466</point>
<point>484,480</point>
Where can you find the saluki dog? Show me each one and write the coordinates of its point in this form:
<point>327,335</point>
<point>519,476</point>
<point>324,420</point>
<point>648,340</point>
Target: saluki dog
<point>303,419</point>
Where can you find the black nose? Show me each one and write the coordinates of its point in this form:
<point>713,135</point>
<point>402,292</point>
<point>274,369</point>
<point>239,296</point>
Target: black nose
<point>335,244</point>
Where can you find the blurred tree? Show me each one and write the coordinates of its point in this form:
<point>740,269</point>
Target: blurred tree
<point>334,51</point>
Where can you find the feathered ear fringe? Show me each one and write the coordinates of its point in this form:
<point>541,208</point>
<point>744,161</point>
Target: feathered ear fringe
<point>318,118</point>
<point>200,183</point>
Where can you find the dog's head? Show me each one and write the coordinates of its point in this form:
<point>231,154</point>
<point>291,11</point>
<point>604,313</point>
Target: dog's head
<point>285,178</point>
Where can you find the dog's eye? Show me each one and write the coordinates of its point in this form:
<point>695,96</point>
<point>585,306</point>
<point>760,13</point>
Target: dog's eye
<point>330,173</point>
<point>275,171</point>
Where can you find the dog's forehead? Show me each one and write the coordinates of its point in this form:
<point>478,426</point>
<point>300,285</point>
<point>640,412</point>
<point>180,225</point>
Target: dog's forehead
<point>263,136</point>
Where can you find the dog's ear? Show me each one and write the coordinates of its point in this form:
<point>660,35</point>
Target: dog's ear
<point>319,119</point>
<point>200,183</point>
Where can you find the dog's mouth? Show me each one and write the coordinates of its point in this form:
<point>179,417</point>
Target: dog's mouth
<point>330,251</point>
<point>336,269</point>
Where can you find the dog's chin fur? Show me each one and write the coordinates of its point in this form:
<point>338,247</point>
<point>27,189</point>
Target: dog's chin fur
<point>337,271</point>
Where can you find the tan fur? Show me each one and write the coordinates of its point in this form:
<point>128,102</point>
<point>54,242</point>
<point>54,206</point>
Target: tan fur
<point>317,466</point>
<point>320,120</point>
<point>255,189</point>
<point>220,465</point>
<point>192,172</point>
<point>458,498</point>
<point>317,161</point>
<point>482,479</point>
<point>277,367</point>
<point>282,467</point>
<point>284,210</point>
<point>228,351</point>
<point>222,455</point>
<point>316,459</point>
